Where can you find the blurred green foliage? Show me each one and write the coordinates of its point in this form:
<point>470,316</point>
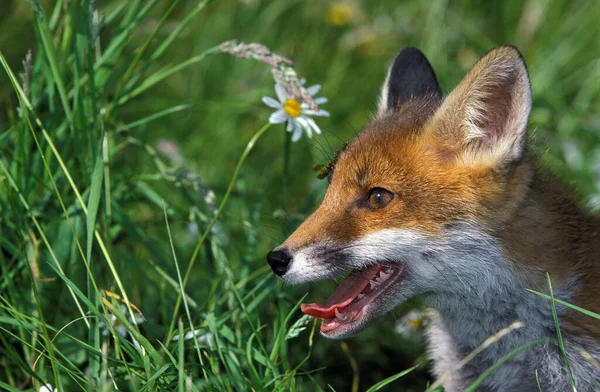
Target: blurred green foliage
<point>346,46</point>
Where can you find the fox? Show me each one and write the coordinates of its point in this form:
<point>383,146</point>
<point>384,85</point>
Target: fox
<point>443,197</point>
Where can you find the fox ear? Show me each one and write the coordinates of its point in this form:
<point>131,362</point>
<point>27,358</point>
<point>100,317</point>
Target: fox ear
<point>484,120</point>
<point>411,76</point>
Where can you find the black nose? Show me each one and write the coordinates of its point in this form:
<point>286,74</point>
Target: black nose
<point>279,260</point>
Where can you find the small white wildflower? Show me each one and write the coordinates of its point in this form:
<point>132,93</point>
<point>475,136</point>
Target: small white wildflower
<point>210,198</point>
<point>298,115</point>
<point>411,324</point>
<point>193,229</point>
<point>206,338</point>
<point>120,328</point>
<point>48,388</point>
<point>171,150</point>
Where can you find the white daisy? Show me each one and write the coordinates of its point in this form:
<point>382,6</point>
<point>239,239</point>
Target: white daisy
<point>411,324</point>
<point>298,115</point>
<point>48,388</point>
<point>118,326</point>
<point>205,338</point>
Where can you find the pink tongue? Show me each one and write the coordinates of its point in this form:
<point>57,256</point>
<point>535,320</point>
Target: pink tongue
<point>353,285</point>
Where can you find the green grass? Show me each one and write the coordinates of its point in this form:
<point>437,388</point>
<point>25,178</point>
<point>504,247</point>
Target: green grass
<point>136,174</point>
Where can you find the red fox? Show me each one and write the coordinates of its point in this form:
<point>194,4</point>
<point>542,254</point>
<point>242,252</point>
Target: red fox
<point>442,197</point>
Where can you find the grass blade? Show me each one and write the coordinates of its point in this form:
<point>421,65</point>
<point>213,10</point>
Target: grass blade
<point>50,51</point>
<point>473,387</point>
<point>559,334</point>
<point>93,205</point>
<point>196,252</point>
<point>568,305</point>
<point>182,293</point>
<point>152,117</point>
<point>391,379</point>
<point>164,73</point>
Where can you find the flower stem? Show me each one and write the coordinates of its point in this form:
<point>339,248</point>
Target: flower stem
<point>196,252</point>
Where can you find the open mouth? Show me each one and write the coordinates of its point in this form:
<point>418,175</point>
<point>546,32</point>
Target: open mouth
<point>348,305</point>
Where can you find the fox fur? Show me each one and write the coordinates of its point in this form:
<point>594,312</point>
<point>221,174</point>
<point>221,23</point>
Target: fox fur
<point>474,222</point>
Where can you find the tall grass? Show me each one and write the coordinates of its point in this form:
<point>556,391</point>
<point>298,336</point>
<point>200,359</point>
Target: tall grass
<point>136,206</point>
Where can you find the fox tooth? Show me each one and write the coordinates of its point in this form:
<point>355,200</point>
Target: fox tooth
<point>373,284</point>
<point>384,276</point>
<point>360,296</point>
<point>339,315</point>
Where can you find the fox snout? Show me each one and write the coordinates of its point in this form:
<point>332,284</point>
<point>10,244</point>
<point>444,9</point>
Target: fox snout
<point>279,260</point>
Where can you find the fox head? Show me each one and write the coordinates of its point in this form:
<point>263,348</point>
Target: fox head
<point>415,199</point>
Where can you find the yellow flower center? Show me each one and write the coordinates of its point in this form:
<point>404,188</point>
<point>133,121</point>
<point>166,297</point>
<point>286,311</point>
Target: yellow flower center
<point>292,107</point>
<point>340,14</point>
<point>415,323</point>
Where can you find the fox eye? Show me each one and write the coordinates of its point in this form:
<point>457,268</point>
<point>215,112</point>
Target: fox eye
<point>379,198</point>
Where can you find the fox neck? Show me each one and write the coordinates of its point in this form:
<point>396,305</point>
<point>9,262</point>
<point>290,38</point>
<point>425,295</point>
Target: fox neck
<point>483,302</point>
<point>553,234</point>
<point>548,233</point>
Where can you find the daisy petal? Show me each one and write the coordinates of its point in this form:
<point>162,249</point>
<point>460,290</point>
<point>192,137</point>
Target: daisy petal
<point>302,81</point>
<point>282,95</point>
<point>314,89</point>
<point>313,125</point>
<point>303,121</point>
<point>278,117</point>
<point>297,133</point>
<point>272,103</point>
<point>320,100</point>
<point>290,125</point>
<point>322,113</point>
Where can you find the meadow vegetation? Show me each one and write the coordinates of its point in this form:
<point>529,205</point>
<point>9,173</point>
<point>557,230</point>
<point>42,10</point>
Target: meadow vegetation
<point>141,186</point>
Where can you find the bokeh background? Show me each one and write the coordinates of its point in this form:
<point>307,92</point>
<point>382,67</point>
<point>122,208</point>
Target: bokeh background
<point>346,47</point>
